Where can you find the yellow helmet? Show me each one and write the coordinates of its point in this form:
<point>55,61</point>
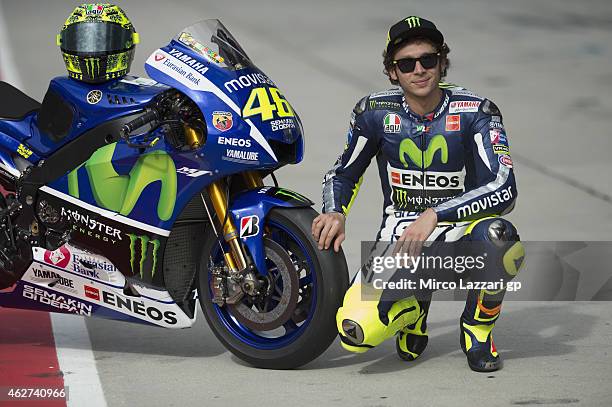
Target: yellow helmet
<point>97,43</point>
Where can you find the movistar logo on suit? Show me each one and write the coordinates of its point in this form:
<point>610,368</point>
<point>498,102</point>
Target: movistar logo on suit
<point>420,158</point>
<point>413,21</point>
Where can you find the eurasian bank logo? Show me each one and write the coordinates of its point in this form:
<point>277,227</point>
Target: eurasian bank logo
<point>420,158</point>
<point>413,21</point>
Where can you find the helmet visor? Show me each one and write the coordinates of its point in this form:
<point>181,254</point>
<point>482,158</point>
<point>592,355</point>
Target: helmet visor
<point>95,37</point>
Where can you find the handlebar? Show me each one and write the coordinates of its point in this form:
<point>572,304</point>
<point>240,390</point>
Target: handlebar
<point>150,116</point>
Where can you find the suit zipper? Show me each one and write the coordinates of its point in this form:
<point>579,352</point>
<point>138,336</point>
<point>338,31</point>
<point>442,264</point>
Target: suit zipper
<point>423,193</point>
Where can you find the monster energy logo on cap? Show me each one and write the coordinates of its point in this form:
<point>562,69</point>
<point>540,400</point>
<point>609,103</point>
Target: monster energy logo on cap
<point>423,159</point>
<point>92,65</point>
<point>146,245</point>
<point>413,21</point>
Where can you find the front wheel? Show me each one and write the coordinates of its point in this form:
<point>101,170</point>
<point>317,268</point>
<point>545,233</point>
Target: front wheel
<point>295,321</point>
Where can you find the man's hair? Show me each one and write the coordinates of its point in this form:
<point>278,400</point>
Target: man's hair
<point>444,50</point>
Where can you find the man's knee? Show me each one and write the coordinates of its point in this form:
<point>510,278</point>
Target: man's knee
<point>501,238</point>
<point>359,323</point>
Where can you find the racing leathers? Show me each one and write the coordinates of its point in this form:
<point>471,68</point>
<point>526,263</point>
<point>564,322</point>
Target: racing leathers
<point>454,160</point>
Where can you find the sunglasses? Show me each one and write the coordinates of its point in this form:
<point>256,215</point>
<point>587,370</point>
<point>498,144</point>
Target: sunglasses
<point>407,65</point>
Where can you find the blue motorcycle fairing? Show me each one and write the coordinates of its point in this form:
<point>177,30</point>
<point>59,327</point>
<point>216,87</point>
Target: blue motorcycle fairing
<point>249,210</point>
<point>117,98</point>
<point>216,89</point>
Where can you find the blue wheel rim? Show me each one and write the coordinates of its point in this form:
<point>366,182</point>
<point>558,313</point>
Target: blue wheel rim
<point>292,330</point>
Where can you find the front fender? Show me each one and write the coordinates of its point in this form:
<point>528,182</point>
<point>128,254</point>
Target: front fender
<point>250,208</point>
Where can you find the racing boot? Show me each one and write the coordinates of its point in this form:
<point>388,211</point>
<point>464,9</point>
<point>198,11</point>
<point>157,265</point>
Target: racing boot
<point>412,340</point>
<point>359,321</point>
<point>482,309</point>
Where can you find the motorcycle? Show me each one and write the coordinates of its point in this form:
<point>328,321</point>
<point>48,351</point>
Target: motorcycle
<point>135,198</point>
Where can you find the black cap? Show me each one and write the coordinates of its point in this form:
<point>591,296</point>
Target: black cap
<point>411,27</point>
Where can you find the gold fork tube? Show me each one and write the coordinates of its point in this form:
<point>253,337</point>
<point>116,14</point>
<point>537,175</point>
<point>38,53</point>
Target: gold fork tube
<point>219,200</point>
<point>252,179</point>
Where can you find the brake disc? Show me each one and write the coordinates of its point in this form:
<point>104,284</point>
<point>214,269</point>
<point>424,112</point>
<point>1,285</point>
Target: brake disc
<point>284,293</point>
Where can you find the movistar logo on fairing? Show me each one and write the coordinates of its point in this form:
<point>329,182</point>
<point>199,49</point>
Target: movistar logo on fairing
<point>120,193</point>
<point>192,62</point>
<point>420,158</point>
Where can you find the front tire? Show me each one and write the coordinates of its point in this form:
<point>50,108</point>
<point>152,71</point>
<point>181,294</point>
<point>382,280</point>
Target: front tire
<point>322,278</point>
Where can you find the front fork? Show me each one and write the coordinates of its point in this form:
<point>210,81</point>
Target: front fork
<point>235,258</point>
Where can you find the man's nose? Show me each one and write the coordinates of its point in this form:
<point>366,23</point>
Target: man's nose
<point>418,68</point>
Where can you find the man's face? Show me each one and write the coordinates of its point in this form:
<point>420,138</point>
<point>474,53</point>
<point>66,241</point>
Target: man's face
<point>421,82</point>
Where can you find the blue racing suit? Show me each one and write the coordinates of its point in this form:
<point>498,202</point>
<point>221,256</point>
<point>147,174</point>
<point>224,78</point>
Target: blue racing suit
<point>454,160</point>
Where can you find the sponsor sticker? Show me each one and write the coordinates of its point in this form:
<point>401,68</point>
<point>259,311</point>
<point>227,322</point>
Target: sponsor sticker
<point>233,141</point>
<point>453,122</point>
<point>223,121</point>
<point>249,226</point>
<point>487,202</point>
<point>463,106</point>
<point>24,151</point>
<point>497,136</point>
<point>60,302</point>
<point>246,81</point>
<point>94,9</point>
<point>392,123</point>
<point>92,292</point>
<point>431,180</point>
<point>242,155</point>
<point>282,124</point>
<point>501,149</point>
<point>182,67</point>
<point>192,172</point>
<point>41,274</point>
<point>505,160</point>
<point>59,258</point>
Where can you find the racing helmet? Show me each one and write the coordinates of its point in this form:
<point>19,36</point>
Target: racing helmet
<point>97,43</point>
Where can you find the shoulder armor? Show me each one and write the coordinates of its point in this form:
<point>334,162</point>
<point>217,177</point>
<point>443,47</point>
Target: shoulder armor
<point>463,92</point>
<point>490,108</point>
<point>385,100</point>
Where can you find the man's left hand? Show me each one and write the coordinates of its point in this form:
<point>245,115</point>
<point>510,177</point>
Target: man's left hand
<point>414,235</point>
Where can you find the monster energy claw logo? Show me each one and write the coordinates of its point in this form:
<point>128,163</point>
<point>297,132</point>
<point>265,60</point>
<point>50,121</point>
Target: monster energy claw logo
<point>413,21</point>
<point>291,194</point>
<point>146,245</point>
<point>92,65</point>
<point>423,159</point>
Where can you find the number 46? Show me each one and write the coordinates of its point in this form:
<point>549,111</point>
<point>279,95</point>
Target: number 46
<point>259,103</point>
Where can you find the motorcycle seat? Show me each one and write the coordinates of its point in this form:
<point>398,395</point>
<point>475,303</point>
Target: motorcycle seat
<point>15,104</point>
